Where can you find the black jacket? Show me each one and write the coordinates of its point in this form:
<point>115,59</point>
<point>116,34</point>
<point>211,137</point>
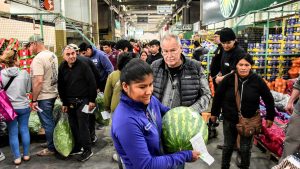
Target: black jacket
<point>93,68</point>
<point>76,82</point>
<point>199,52</point>
<point>251,89</point>
<point>215,66</point>
<point>229,58</point>
<point>194,90</point>
<point>151,58</point>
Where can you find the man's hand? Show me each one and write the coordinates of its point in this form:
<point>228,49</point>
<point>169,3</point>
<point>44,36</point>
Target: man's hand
<point>64,109</point>
<point>219,79</point>
<point>34,105</point>
<point>213,119</point>
<point>91,106</point>
<point>195,155</point>
<point>269,123</point>
<point>289,108</point>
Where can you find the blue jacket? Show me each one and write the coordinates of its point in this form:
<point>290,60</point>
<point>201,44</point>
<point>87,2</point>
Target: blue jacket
<point>102,63</point>
<point>137,139</point>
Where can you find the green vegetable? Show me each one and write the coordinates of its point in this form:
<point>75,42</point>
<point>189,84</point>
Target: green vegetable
<point>99,109</point>
<point>34,123</point>
<point>63,137</point>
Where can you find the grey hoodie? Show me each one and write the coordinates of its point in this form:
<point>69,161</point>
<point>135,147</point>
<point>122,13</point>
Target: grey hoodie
<point>18,88</point>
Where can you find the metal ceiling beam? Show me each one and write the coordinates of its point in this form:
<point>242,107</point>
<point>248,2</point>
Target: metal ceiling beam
<point>139,3</point>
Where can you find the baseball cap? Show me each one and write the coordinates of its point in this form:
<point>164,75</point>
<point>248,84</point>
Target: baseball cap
<point>74,46</point>
<point>34,38</point>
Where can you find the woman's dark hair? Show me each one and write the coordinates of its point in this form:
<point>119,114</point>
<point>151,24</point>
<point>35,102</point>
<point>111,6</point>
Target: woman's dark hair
<point>135,71</point>
<point>122,44</point>
<point>123,59</point>
<point>245,56</point>
<point>143,52</point>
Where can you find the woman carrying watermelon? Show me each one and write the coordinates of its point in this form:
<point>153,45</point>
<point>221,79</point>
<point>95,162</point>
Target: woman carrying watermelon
<point>251,87</point>
<point>137,123</point>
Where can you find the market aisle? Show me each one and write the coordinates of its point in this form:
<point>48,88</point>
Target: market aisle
<point>102,158</point>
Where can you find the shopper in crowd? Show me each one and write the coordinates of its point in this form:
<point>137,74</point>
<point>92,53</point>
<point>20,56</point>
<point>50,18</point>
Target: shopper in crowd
<point>231,51</point>
<point>182,76</point>
<point>292,140</point>
<point>111,53</point>
<point>144,56</point>
<point>135,131</point>
<point>96,73</point>
<point>155,51</point>
<point>146,48</point>
<point>251,87</point>
<point>199,51</point>
<point>179,81</point>
<point>113,87</point>
<point>2,156</point>
<point>215,66</point>
<point>124,46</point>
<point>77,88</point>
<point>100,59</point>
<point>44,72</point>
<point>18,83</point>
<point>196,37</point>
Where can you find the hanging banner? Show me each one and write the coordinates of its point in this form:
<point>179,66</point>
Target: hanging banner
<point>47,4</point>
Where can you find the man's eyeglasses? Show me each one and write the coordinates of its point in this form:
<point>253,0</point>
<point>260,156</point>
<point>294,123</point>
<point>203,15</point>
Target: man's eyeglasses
<point>172,51</point>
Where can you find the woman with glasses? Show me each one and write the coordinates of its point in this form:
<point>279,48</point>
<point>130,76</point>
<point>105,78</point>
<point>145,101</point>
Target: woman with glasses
<point>20,85</point>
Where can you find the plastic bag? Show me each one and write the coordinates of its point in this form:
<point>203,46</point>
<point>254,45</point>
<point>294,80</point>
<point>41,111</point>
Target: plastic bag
<point>99,109</point>
<point>62,136</point>
<point>34,123</point>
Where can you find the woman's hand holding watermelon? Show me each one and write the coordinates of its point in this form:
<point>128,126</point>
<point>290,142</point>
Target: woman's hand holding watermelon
<point>195,155</point>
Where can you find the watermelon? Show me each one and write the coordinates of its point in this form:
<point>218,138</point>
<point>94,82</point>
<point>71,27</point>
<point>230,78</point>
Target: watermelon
<point>179,125</point>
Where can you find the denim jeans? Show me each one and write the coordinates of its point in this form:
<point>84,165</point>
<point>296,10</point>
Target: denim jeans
<point>79,123</point>
<point>47,120</point>
<point>230,136</point>
<point>20,124</point>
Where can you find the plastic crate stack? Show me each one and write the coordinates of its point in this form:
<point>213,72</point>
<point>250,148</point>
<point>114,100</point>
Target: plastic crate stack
<point>25,62</point>
<point>187,47</point>
<point>280,53</point>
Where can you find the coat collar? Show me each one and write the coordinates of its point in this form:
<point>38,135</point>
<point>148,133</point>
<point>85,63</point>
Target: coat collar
<point>132,103</point>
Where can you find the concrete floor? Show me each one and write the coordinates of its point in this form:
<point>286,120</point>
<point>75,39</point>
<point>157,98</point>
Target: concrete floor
<point>103,151</point>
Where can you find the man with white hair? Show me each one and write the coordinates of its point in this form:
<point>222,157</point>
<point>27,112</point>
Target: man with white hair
<point>178,80</point>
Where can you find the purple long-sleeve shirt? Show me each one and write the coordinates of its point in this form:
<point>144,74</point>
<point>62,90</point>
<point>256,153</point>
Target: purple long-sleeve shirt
<point>137,138</point>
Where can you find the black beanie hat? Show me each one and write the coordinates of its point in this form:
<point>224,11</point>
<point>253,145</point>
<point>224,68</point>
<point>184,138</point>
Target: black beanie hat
<point>227,34</point>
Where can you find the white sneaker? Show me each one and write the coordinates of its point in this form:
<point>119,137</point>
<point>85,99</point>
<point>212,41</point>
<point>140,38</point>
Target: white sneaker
<point>2,156</point>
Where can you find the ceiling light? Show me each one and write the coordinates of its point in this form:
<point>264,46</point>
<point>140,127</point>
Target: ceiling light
<point>149,5</point>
